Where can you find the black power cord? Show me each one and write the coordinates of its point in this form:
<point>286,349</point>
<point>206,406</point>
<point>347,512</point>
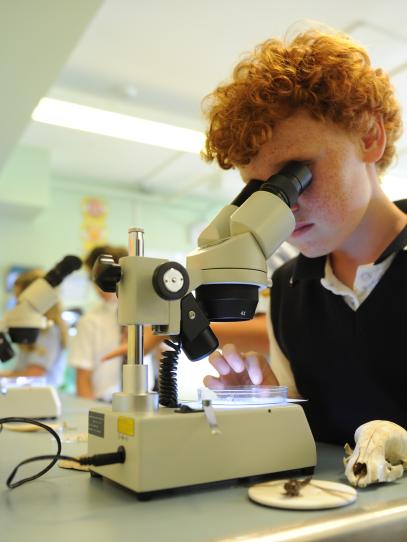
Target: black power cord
<point>97,460</point>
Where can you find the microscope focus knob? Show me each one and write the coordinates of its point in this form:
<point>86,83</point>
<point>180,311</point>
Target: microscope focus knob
<point>106,273</point>
<point>171,281</point>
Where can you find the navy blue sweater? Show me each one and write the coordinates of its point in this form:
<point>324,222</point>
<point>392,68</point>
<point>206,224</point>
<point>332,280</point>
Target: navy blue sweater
<point>350,365</point>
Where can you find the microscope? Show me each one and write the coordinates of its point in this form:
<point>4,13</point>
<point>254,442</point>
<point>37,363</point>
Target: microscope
<point>173,446</point>
<point>25,396</point>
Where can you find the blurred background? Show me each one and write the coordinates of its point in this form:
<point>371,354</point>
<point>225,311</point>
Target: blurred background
<point>71,179</point>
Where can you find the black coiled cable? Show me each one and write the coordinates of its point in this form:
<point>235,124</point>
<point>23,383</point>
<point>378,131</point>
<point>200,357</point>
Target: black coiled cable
<point>167,383</point>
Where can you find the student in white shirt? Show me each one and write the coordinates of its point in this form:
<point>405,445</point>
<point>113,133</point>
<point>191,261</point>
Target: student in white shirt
<point>98,332</point>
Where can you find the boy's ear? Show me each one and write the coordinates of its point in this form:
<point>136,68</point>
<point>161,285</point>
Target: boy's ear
<point>373,142</point>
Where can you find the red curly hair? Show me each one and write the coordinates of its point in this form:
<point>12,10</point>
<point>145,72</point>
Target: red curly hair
<point>328,75</point>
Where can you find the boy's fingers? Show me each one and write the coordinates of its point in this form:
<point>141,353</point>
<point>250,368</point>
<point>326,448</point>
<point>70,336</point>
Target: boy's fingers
<point>233,357</point>
<point>259,370</point>
<point>237,369</point>
<point>219,363</point>
<point>254,368</point>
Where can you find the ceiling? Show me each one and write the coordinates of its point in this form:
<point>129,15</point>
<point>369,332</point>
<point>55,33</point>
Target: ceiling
<point>157,59</point>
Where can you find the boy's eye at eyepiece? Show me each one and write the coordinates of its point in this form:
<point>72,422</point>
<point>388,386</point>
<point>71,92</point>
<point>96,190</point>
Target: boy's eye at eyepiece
<point>289,182</point>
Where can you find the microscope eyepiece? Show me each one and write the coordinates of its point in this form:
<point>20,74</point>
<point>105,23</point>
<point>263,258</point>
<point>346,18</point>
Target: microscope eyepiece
<point>62,269</point>
<point>106,273</point>
<point>250,188</point>
<point>289,182</point>
<point>24,335</point>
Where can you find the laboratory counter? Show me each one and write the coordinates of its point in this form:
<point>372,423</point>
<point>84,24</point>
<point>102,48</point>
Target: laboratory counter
<point>67,505</point>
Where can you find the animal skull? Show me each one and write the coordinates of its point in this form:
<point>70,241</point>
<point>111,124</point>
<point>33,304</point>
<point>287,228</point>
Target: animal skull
<point>380,454</point>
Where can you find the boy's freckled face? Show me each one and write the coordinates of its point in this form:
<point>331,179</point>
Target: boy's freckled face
<point>332,207</point>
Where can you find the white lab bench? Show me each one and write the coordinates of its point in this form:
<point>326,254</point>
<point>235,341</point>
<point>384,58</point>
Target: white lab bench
<point>68,506</point>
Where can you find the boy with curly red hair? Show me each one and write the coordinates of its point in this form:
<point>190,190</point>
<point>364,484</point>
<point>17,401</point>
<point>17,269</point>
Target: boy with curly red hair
<point>338,309</point>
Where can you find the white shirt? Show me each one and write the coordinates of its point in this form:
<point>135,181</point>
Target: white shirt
<point>366,278</point>
<point>98,333</point>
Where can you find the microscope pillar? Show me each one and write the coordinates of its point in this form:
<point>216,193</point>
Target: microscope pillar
<point>135,396</point>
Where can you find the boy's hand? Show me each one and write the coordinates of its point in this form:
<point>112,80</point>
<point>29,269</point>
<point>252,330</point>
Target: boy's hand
<point>239,369</point>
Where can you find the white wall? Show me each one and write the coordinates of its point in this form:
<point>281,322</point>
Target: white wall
<point>42,221</point>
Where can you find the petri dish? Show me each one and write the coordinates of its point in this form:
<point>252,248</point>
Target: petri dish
<point>245,395</point>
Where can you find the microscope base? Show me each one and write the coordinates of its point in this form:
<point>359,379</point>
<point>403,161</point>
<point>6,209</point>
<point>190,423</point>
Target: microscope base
<point>40,402</point>
<point>167,450</point>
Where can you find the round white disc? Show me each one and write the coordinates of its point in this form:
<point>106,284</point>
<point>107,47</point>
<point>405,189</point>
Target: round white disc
<point>317,494</point>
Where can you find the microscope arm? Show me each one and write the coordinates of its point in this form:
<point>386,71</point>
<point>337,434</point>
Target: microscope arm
<point>226,271</point>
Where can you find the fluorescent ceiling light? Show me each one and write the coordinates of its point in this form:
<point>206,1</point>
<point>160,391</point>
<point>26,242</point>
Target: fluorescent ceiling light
<point>99,121</point>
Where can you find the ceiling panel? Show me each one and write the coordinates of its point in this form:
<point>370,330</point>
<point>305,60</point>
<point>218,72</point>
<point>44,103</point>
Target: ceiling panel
<point>157,59</point>
<point>35,40</point>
